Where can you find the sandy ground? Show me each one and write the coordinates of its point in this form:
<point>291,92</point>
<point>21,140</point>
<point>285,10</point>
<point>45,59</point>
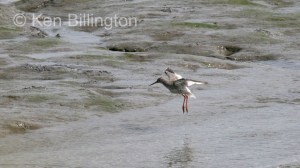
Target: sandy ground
<point>83,100</point>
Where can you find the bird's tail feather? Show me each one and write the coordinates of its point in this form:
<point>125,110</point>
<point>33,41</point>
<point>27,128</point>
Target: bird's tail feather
<point>193,96</point>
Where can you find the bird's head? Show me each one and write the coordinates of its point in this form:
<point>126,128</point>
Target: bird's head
<point>159,80</point>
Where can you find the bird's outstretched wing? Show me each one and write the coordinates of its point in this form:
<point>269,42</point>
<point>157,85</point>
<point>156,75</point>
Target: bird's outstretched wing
<point>172,75</point>
<point>190,82</point>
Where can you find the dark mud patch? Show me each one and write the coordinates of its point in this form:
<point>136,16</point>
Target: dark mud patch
<point>95,72</point>
<point>154,15</point>
<point>30,88</point>
<point>130,47</point>
<point>277,100</point>
<point>194,24</point>
<point>29,97</point>
<point>252,106</point>
<point>3,62</point>
<point>90,57</point>
<point>8,99</point>
<point>12,97</point>
<point>180,157</point>
<point>279,3</point>
<point>139,58</point>
<point>116,87</point>
<point>181,49</point>
<point>43,68</point>
<point>15,127</point>
<point>99,75</point>
<point>252,58</point>
<point>227,50</point>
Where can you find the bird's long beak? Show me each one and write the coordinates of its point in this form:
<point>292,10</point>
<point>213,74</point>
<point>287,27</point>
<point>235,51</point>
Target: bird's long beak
<point>153,83</point>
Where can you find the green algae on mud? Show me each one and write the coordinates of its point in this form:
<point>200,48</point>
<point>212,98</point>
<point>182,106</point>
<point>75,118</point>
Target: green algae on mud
<point>240,2</point>
<point>280,3</point>
<point>102,102</point>
<point>35,45</point>
<point>114,63</point>
<point>39,98</point>
<point>7,32</point>
<point>3,62</point>
<point>4,76</point>
<point>137,58</point>
<point>285,20</point>
<point>197,25</point>
<point>167,35</point>
<point>7,29</point>
<point>253,13</point>
<point>271,18</point>
<point>45,42</point>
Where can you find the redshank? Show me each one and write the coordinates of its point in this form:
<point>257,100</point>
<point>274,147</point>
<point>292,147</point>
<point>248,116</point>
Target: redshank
<point>177,84</point>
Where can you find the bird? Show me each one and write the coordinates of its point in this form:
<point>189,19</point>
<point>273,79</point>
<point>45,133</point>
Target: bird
<point>178,85</point>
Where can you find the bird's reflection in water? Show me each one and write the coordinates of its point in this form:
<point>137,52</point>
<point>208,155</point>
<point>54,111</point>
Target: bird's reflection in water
<point>180,157</point>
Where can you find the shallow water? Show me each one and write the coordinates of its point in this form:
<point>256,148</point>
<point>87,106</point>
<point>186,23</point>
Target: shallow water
<point>6,2</point>
<point>77,104</point>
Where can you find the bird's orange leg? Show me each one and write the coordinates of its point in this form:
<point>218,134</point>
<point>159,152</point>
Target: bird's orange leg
<point>183,103</point>
<point>186,104</point>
